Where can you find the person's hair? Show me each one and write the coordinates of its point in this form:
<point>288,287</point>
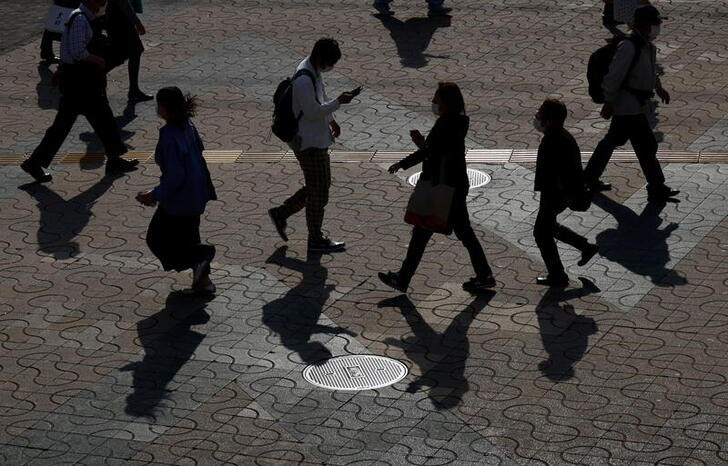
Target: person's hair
<point>180,107</point>
<point>326,51</point>
<point>450,94</point>
<point>554,110</point>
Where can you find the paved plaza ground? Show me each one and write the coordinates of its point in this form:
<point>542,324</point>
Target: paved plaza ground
<point>105,360</point>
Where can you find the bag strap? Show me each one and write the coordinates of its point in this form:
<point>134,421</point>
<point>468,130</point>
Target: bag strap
<point>638,45</point>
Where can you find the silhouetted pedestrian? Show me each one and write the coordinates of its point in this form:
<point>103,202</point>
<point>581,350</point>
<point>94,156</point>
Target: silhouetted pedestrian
<point>184,189</point>
<point>316,132</point>
<point>627,94</point>
<point>560,181</point>
<point>84,52</point>
<point>442,155</point>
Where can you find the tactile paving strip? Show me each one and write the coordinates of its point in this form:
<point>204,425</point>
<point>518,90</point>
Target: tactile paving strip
<point>355,372</point>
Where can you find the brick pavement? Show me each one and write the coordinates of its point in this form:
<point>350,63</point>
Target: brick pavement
<point>104,361</point>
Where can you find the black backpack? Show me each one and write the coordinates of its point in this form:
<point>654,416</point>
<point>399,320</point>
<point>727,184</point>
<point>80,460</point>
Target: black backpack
<point>599,62</point>
<point>285,123</point>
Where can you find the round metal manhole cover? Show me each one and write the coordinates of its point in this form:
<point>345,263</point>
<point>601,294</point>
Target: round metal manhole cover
<point>477,178</point>
<point>355,372</point>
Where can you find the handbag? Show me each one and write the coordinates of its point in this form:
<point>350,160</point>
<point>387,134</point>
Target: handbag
<point>430,204</point>
<point>57,18</point>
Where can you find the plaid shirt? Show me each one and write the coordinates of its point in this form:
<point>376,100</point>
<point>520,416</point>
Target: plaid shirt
<point>75,40</point>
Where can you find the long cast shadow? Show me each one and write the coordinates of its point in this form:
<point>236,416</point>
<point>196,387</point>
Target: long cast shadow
<point>63,220</point>
<point>638,243</point>
<point>94,144</point>
<point>169,342</point>
<point>294,317</point>
<point>413,36</point>
<point>564,333</point>
<point>441,357</point>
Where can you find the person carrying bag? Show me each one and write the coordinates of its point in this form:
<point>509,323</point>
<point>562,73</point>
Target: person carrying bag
<point>444,174</point>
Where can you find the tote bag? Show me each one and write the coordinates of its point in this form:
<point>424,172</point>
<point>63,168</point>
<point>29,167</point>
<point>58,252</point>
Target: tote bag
<point>429,206</point>
<point>57,18</point>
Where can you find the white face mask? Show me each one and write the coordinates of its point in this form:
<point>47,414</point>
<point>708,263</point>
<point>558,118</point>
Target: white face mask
<point>436,109</point>
<point>326,69</point>
<point>655,31</point>
<point>538,125</point>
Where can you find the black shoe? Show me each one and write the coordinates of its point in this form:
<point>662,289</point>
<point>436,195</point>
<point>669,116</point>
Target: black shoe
<point>661,194</point>
<point>325,245</point>
<point>50,58</point>
<point>279,222</point>
<point>479,284</point>
<point>439,11</point>
<point>392,279</point>
<point>599,186</point>
<point>383,9</point>
<point>559,281</point>
<point>120,165</point>
<point>139,96</point>
<point>36,171</point>
<point>589,251</point>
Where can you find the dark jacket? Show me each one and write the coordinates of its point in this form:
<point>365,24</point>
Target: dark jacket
<point>185,186</point>
<point>558,166</point>
<point>443,158</point>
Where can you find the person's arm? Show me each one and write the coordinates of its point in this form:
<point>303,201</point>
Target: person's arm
<point>79,35</point>
<point>618,70</point>
<point>305,94</point>
<point>173,173</point>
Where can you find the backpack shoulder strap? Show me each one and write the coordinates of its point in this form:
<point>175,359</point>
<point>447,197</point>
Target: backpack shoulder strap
<point>638,45</point>
<point>305,72</point>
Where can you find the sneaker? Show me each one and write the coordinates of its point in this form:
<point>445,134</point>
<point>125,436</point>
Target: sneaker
<point>279,222</point>
<point>120,165</point>
<point>479,284</point>
<point>557,281</point>
<point>661,193</point>
<point>392,279</point>
<point>438,11</point>
<point>599,186</point>
<point>36,171</point>
<point>587,253</point>
<point>325,245</point>
<point>383,9</point>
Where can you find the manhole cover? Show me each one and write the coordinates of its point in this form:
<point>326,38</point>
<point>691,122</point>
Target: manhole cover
<point>477,178</point>
<point>355,372</point>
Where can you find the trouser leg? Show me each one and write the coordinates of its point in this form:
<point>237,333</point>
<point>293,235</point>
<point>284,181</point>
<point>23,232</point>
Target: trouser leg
<point>99,115</point>
<point>57,133</point>
<point>544,232</point>
<point>317,177</point>
<point>464,232</point>
<point>46,43</point>
<point>616,136</point>
<point>133,65</point>
<point>416,249</point>
<point>645,147</point>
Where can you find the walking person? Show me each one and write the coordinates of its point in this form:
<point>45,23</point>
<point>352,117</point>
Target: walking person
<point>124,28</point>
<point>434,8</point>
<point>628,88</point>
<point>83,92</point>
<point>184,189</point>
<point>316,132</point>
<point>442,154</point>
<point>560,181</point>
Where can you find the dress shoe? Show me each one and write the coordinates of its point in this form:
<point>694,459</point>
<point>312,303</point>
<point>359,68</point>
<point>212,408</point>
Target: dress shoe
<point>36,171</point>
<point>587,253</point>
<point>120,165</point>
<point>558,281</point>
<point>599,186</point>
<point>393,279</point>
<point>50,58</point>
<point>661,193</point>
<point>325,245</point>
<point>439,11</point>
<point>139,96</point>
<point>479,284</point>
<point>279,222</point>
<point>383,9</point>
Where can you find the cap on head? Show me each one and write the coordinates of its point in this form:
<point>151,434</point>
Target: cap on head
<point>647,14</point>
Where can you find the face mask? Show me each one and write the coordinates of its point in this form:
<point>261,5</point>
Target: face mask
<point>326,69</point>
<point>655,31</point>
<point>538,125</point>
<point>436,109</point>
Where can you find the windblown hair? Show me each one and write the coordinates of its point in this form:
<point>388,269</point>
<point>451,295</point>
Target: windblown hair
<point>180,107</point>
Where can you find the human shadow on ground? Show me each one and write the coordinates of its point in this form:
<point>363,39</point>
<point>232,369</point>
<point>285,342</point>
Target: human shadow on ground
<point>441,357</point>
<point>169,342</point>
<point>564,333</point>
<point>94,144</point>
<point>638,243</point>
<point>294,316</point>
<point>61,220</point>
<point>48,93</point>
<point>413,36</point>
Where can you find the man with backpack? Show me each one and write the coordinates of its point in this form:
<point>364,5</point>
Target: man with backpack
<point>560,181</point>
<point>83,92</point>
<point>314,129</point>
<point>629,84</point>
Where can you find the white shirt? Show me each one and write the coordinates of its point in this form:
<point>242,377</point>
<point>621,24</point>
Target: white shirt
<point>76,38</point>
<point>313,127</point>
